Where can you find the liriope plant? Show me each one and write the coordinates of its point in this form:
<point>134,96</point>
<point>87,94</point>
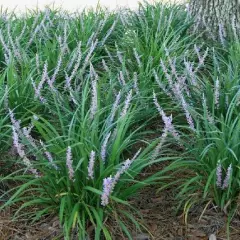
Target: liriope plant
<point>210,103</point>
<point>74,164</point>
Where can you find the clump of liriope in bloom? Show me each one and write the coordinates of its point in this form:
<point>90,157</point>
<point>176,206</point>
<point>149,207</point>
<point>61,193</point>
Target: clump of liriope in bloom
<point>110,182</point>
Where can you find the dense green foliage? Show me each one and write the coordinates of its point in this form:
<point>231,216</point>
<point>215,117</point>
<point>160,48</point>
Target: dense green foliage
<point>80,95</point>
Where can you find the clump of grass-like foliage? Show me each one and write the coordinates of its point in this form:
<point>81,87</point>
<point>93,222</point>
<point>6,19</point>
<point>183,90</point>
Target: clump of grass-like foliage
<point>78,95</point>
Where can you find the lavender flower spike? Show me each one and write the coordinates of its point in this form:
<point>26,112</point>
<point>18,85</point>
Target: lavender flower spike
<point>167,120</point>
<point>38,64</point>
<point>227,178</point>
<point>91,165</point>
<point>56,71</point>
<point>127,104</point>
<point>14,122</point>
<point>160,84</point>
<point>94,102</point>
<point>187,113</point>
<point>108,185</point>
<point>120,57</point>
<point>210,118</point>
<point>109,32</point>
<point>221,31</point>
<point>216,93</point>
<point>135,80</point>
<point>5,46</point>
<point>48,155</point>
<point>137,57</point>
<point>69,163</point>
<point>122,170</point>
<point>219,175</point>
<point>21,153</point>
<point>92,48</point>
<point>160,144</point>
<point>106,68</point>
<point>77,64</point>
<point>104,147</point>
<point>115,107</point>
<point>38,88</point>
<point>121,79</point>
<point>110,182</point>
<point>19,147</point>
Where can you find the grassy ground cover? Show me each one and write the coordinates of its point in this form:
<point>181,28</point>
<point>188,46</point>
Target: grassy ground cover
<point>97,106</point>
